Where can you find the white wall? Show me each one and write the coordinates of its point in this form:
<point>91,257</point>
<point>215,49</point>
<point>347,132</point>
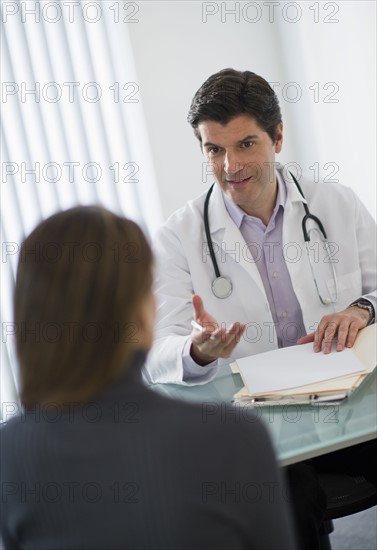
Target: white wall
<point>174,53</point>
<point>345,132</point>
<point>176,47</point>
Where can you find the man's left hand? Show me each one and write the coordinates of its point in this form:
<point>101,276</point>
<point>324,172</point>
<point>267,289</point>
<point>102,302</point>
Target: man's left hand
<point>344,326</point>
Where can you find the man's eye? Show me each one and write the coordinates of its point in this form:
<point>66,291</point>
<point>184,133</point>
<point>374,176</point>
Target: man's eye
<point>213,150</point>
<point>247,144</point>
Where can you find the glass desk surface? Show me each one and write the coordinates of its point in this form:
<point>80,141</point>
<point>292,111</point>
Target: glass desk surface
<point>298,431</point>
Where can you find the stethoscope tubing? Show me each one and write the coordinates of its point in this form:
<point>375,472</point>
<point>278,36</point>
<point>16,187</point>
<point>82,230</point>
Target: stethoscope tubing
<point>225,292</point>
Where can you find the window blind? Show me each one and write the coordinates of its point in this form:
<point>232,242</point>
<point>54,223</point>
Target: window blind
<point>72,131</point>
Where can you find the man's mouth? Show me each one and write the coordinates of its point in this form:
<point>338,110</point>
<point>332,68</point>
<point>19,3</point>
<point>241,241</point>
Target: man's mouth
<point>238,182</point>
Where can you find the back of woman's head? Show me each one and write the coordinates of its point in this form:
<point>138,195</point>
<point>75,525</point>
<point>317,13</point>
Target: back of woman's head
<point>82,275</point>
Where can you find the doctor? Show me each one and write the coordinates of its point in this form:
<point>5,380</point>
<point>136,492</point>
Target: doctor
<point>276,295</point>
<point>270,295</point>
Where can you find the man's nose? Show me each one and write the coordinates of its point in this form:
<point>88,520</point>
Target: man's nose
<point>232,163</point>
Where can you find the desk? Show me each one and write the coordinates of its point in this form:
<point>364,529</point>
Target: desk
<point>298,432</point>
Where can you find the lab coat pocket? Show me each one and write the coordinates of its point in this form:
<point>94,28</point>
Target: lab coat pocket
<point>348,287</point>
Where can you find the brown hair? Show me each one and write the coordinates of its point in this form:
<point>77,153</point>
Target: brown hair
<point>81,277</point>
<point>230,93</point>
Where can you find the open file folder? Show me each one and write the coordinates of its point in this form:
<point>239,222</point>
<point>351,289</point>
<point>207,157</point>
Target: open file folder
<point>297,374</point>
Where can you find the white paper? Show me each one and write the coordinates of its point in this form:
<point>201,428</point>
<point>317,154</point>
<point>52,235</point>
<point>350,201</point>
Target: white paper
<point>295,366</point>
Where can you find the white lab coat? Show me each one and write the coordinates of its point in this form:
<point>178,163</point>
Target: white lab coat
<point>184,267</point>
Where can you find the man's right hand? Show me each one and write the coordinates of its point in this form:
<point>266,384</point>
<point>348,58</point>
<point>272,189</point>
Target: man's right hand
<point>215,341</point>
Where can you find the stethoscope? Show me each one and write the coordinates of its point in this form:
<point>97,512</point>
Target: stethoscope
<point>222,287</point>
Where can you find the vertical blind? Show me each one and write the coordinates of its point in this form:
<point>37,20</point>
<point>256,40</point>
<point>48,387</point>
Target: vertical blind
<point>72,132</point>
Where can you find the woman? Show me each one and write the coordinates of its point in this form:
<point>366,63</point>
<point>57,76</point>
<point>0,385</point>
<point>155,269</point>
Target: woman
<point>97,459</point>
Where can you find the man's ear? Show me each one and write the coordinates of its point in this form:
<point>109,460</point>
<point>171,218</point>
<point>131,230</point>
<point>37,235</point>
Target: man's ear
<point>279,138</point>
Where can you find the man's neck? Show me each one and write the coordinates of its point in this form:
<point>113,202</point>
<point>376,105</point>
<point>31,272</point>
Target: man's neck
<point>266,208</point>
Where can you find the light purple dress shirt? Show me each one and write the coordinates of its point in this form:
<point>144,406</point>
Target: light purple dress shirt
<point>266,247</point>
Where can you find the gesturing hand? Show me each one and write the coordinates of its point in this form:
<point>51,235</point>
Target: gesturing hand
<point>215,341</point>
<point>344,326</point>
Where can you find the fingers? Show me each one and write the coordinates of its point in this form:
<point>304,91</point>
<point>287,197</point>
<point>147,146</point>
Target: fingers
<point>224,341</point>
<point>352,334</point>
<point>202,333</point>
<point>324,335</point>
<point>213,344</point>
<point>237,329</point>
<point>201,315</point>
<point>342,327</point>
<point>211,341</point>
<point>197,303</point>
<point>220,338</point>
<point>306,339</point>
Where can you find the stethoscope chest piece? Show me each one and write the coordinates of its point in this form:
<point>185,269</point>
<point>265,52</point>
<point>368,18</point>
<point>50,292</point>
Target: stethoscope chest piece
<point>222,287</point>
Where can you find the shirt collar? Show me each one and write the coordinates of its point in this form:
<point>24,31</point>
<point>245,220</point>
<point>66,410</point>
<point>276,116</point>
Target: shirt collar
<point>238,215</point>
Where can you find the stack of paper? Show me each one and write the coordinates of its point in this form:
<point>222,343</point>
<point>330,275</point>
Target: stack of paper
<point>298,372</point>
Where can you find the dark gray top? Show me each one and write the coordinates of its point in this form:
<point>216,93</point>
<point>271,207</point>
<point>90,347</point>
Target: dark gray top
<point>135,470</point>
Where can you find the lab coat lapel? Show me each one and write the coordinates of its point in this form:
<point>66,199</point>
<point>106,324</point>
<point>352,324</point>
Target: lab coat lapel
<point>226,235</point>
<point>293,214</point>
<point>299,266</point>
<point>294,247</point>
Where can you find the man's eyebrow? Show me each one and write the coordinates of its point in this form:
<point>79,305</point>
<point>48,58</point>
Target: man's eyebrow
<point>209,144</point>
<point>247,138</point>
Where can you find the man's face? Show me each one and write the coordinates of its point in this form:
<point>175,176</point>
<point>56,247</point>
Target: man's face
<point>242,157</point>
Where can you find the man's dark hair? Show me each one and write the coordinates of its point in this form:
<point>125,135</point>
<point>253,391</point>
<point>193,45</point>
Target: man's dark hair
<point>230,93</point>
